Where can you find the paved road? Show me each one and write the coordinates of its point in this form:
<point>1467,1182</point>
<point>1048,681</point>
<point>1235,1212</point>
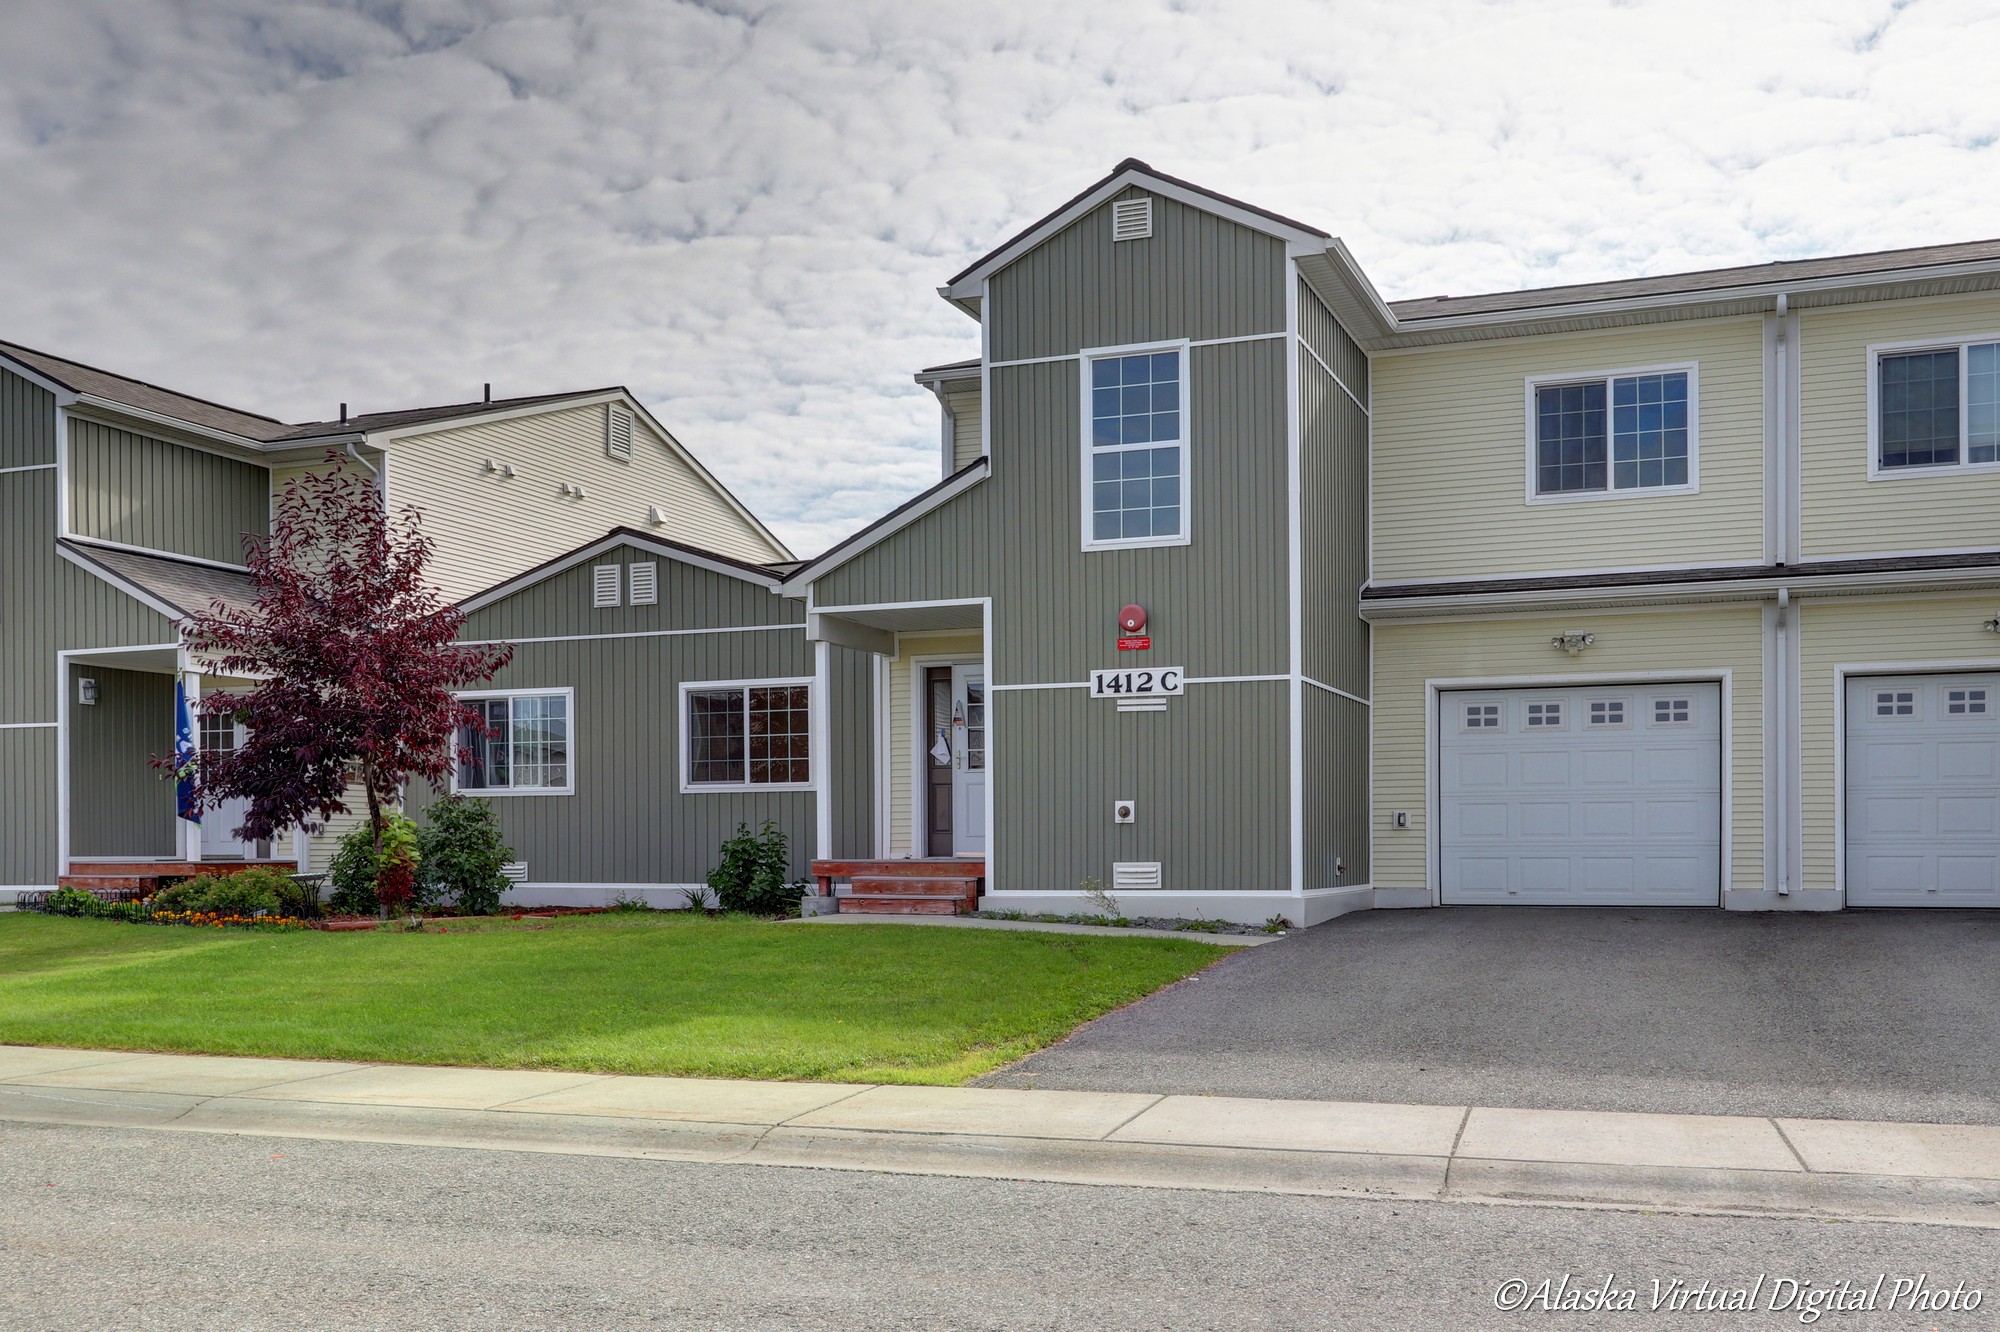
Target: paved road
<point>120,1229</point>
<point>1854,1015</point>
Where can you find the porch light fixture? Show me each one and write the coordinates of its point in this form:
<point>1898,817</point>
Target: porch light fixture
<point>1992,626</point>
<point>86,691</point>
<point>1572,642</point>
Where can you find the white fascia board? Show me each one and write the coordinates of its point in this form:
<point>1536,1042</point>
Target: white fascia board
<point>1366,300</point>
<point>64,394</point>
<point>130,589</point>
<point>609,542</point>
<point>798,583</point>
<point>970,287</point>
<point>1800,581</point>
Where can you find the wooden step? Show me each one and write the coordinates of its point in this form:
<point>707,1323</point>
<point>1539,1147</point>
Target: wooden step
<point>856,904</point>
<point>177,869</point>
<point>919,887</point>
<point>935,868</point>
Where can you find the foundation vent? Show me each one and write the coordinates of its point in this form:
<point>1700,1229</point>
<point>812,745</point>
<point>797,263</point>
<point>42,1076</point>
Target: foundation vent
<point>1135,876</point>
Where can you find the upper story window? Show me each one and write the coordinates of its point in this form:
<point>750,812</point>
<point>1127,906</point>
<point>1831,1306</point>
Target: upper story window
<point>1935,406</point>
<point>1612,434</point>
<point>523,746</point>
<point>1135,454</point>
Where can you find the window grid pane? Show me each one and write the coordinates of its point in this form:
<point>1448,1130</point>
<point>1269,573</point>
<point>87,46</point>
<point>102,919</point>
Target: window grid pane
<point>1135,491</point>
<point>1982,403</point>
<point>715,736</point>
<point>541,742</point>
<point>1649,430</point>
<point>780,725</point>
<point>1919,409</point>
<point>1570,438</point>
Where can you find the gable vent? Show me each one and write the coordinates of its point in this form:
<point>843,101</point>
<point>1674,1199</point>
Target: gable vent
<point>618,433</point>
<point>644,580</point>
<point>1131,219</point>
<point>604,585</point>
<point>1135,876</point>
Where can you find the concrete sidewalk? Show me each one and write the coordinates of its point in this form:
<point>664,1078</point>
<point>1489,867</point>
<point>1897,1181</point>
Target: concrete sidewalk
<point>1947,1174</point>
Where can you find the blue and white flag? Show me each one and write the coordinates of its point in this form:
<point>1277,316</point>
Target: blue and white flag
<point>184,756</point>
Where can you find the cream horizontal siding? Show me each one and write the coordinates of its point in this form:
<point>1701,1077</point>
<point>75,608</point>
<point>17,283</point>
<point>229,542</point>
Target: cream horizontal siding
<point>1905,631</point>
<point>489,527</point>
<point>1696,640</point>
<point>1450,457</point>
<point>967,443</point>
<point>964,647</point>
<point>1842,512</point>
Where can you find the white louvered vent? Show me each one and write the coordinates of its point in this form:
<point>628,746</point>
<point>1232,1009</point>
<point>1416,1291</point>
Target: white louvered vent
<point>618,433</point>
<point>604,585</point>
<point>1135,876</point>
<point>644,581</point>
<point>1131,219</point>
<point>514,871</point>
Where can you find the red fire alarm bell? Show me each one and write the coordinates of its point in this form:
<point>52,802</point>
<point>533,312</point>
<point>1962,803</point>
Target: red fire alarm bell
<point>1132,619</point>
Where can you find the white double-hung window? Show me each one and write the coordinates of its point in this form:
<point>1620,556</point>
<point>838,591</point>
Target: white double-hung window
<point>1934,406</point>
<point>522,745</point>
<point>1626,432</point>
<point>1135,455</point>
<point>741,735</point>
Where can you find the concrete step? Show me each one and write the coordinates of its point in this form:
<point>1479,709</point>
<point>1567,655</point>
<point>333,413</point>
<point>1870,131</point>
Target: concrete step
<point>858,904</point>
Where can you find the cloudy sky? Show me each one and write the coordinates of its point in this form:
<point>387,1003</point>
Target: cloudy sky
<point>742,209</point>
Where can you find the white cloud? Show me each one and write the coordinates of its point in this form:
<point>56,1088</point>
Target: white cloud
<point>741,210</point>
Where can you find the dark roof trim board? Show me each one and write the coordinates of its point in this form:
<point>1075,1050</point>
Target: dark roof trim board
<point>945,491</point>
<point>1741,581</point>
<point>715,562</point>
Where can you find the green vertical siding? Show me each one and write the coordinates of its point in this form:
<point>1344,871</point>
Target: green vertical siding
<point>28,808</point>
<point>27,422</point>
<point>1198,276</point>
<point>691,597</point>
<point>1333,484</point>
<point>850,714</point>
<point>1209,775</point>
<point>1335,790</point>
<point>120,805</point>
<point>1322,332</point>
<point>143,491</point>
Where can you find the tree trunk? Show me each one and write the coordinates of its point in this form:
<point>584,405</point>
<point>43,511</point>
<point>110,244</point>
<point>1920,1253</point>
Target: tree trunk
<point>375,827</point>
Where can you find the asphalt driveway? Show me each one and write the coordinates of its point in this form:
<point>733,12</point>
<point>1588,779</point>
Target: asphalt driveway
<point>1857,1015</point>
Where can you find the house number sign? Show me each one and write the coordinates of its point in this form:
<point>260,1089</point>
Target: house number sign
<point>1147,682</point>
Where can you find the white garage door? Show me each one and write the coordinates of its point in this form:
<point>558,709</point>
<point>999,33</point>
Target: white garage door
<point>1608,796</point>
<point>1923,791</point>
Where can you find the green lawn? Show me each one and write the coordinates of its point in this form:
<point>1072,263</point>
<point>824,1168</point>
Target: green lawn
<point>612,993</point>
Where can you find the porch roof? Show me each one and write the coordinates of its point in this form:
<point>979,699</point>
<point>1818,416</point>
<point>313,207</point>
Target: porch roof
<point>185,586</point>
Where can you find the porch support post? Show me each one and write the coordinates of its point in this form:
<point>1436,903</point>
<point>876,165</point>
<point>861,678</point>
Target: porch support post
<point>190,833</point>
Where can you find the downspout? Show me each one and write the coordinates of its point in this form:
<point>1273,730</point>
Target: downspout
<point>1777,696</point>
<point>1778,690</point>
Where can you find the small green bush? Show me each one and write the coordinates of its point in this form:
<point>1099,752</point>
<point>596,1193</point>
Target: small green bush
<point>460,853</point>
<point>751,877</point>
<point>74,902</point>
<point>354,871</point>
<point>241,894</point>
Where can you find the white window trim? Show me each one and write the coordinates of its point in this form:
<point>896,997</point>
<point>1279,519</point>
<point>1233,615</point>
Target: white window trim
<point>569,703</point>
<point>1089,450</point>
<point>1530,417</point>
<point>690,787</point>
<point>1876,351</point>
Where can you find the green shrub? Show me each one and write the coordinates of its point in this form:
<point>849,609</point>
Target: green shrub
<point>241,894</point>
<point>460,855</point>
<point>752,874</point>
<point>354,871</point>
<point>396,871</point>
<point>74,902</point>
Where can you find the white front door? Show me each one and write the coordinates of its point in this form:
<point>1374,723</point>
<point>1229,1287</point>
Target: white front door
<point>219,825</point>
<point>1609,795</point>
<point>1923,791</point>
<point>968,778</point>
